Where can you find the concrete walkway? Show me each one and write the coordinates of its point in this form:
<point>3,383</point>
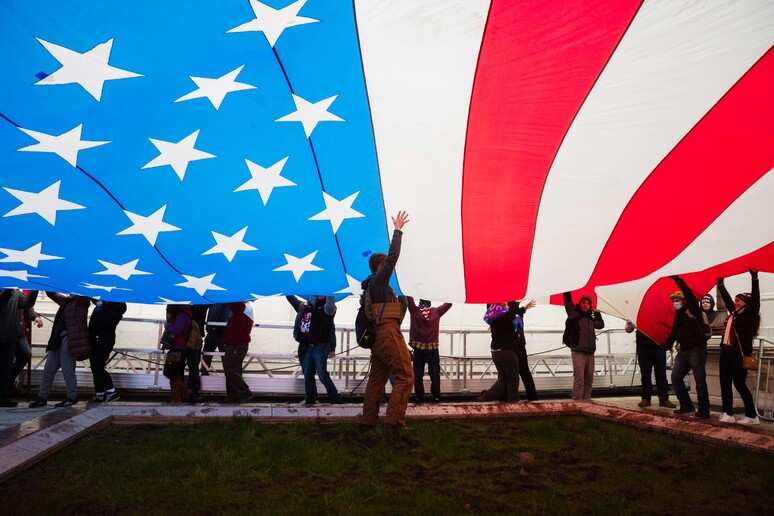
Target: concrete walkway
<point>29,435</point>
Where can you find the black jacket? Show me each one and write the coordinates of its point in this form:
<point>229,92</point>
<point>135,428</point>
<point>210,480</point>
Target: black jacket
<point>103,322</point>
<point>747,321</point>
<point>686,328</point>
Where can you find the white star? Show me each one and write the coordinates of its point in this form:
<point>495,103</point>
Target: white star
<point>30,256</point>
<point>200,285</point>
<point>310,114</point>
<point>45,203</point>
<point>229,246</point>
<point>124,271</point>
<point>102,287</point>
<point>165,301</point>
<point>216,89</point>
<point>66,145</point>
<point>337,211</point>
<point>90,69</point>
<point>298,266</point>
<point>177,155</point>
<point>272,22</point>
<point>149,226</point>
<point>353,287</point>
<point>19,275</point>
<point>265,180</point>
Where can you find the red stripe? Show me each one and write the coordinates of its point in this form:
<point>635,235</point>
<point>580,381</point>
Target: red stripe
<point>657,312</point>
<point>730,149</point>
<point>538,61</point>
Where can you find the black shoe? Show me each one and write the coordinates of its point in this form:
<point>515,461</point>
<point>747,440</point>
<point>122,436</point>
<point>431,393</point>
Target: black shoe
<point>67,402</point>
<point>436,400</point>
<point>111,396</point>
<point>97,399</point>
<point>702,415</point>
<point>40,402</point>
<point>5,402</point>
<point>684,410</point>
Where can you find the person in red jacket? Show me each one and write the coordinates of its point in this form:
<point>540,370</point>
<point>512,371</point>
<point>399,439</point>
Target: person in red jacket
<point>236,340</point>
<point>69,342</point>
<point>423,339</point>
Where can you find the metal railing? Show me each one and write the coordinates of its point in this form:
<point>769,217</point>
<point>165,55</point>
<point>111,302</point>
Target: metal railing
<point>280,373</point>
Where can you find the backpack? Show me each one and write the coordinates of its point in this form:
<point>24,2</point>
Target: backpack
<point>365,327</point>
<point>704,325</point>
<point>297,323</point>
<point>195,340</point>
<point>571,335</point>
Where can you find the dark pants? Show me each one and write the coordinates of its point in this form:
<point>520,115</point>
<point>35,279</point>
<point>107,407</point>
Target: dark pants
<point>21,359</point>
<point>507,363</point>
<point>653,359</point>
<point>731,371</point>
<point>100,353</point>
<point>432,358</point>
<point>693,359</point>
<point>526,374</point>
<point>7,351</point>
<point>212,342</point>
<point>193,358</point>
<point>236,387</point>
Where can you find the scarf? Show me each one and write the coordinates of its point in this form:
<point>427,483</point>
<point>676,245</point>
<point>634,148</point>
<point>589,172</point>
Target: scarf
<point>493,312</point>
<point>518,324</point>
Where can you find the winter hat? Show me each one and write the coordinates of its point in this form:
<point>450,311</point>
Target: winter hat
<point>677,294</point>
<point>744,297</point>
<point>709,299</point>
<point>587,298</point>
<point>424,303</point>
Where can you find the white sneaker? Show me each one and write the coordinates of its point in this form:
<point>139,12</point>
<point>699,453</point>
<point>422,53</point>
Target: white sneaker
<point>305,403</point>
<point>749,421</point>
<point>727,418</point>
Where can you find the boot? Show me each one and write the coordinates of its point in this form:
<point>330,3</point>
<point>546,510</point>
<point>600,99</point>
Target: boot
<point>174,387</point>
<point>185,392</point>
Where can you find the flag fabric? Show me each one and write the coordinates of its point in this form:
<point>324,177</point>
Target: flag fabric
<point>215,151</point>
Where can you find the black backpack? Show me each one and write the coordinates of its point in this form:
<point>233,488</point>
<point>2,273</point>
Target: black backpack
<point>365,327</point>
<point>571,336</point>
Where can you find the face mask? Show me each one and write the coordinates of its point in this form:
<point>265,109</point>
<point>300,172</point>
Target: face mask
<point>678,305</point>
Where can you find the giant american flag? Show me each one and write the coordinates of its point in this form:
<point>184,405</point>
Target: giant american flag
<point>205,151</point>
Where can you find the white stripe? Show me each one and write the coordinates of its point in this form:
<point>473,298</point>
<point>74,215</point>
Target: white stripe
<point>419,60</point>
<point>676,60</point>
<point>750,216</point>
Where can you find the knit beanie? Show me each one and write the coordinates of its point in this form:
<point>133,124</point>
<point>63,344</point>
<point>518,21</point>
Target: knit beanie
<point>745,297</point>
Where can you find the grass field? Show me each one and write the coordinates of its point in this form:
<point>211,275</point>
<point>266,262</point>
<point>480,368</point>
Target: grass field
<point>583,466</point>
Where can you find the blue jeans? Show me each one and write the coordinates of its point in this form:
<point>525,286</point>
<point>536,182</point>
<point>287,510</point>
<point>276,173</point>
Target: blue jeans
<point>316,362</point>
<point>433,361</point>
<point>694,360</point>
<point>653,359</point>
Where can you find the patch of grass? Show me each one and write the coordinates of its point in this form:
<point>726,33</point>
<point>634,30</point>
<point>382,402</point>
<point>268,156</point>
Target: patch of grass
<point>584,466</point>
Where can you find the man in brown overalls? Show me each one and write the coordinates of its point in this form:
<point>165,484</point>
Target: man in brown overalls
<point>389,354</point>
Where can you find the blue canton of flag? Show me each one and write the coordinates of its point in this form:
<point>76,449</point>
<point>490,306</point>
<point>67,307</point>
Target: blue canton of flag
<point>185,151</point>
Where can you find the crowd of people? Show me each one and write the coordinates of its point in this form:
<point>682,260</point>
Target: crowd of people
<point>228,330</point>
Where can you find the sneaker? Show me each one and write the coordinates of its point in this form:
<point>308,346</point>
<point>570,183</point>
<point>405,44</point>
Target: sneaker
<point>111,396</point>
<point>67,402</point>
<point>644,403</point>
<point>749,421</point>
<point>702,415</point>
<point>726,418</point>
<point>5,402</point>
<point>683,410</point>
<point>309,403</point>
<point>99,398</point>
<point>40,402</point>
<point>667,404</point>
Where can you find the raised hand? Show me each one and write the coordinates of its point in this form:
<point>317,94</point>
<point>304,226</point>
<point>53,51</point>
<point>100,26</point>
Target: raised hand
<point>400,220</point>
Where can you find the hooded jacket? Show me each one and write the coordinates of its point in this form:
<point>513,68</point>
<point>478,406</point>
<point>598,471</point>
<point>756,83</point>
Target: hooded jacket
<point>103,322</point>
<point>716,318</point>
<point>71,317</point>
<point>589,322</point>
